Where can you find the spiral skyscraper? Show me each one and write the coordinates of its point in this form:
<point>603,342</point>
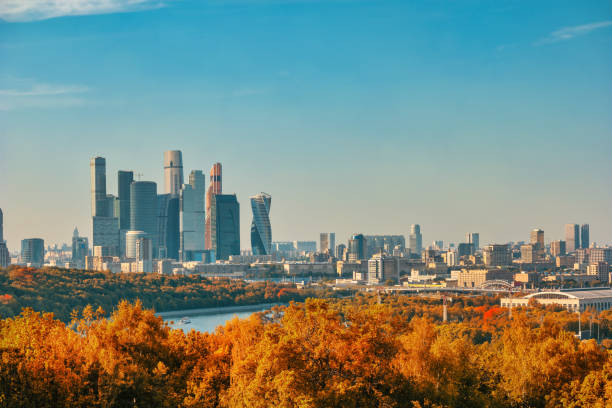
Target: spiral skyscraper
<point>261,230</point>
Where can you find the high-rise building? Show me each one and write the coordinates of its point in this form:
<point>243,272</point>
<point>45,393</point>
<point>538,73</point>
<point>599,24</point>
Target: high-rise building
<point>143,209</point>
<point>168,226</point>
<point>98,188</point>
<point>214,187</point>
<point>557,248</point>
<point>144,255</point>
<point>415,239</point>
<point>5,258</point>
<point>382,269</point>
<point>173,172</point>
<point>537,238</point>
<point>327,243</point>
<point>131,238</point>
<point>340,251</point>
<point>33,252</point>
<point>497,255</point>
<point>124,181</point>
<point>80,249</point>
<point>474,239</point>
<point>385,243</point>
<point>584,236</point>
<point>192,218</point>
<point>225,225</point>
<point>105,224</point>
<point>261,230</point>
<point>572,237</point>
<point>357,247</point>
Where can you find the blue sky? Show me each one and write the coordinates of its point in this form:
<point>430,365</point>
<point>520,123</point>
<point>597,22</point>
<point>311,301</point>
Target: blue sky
<point>356,116</point>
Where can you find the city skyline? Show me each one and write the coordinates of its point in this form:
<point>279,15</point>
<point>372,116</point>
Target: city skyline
<point>386,113</point>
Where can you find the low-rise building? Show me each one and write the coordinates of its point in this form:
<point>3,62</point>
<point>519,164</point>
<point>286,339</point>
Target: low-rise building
<point>571,299</point>
<point>473,278</point>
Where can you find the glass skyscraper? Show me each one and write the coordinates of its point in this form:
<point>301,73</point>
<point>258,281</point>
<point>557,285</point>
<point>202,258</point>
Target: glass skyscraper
<point>261,230</point>
<point>225,225</point>
<point>143,209</point>
<point>33,251</point>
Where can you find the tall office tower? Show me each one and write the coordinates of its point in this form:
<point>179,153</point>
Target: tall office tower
<point>415,240</point>
<point>143,209</point>
<point>473,238</point>
<point>357,247</point>
<point>173,171</point>
<point>144,255</point>
<point>168,226</point>
<point>131,237</point>
<point>98,188</point>
<point>340,251</point>
<point>261,230</point>
<point>572,237</point>
<point>124,181</point>
<point>557,248</point>
<point>537,238</point>
<point>80,249</point>
<point>192,218</point>
<point>33,251</point>
<point>584,236</point>
<point>327,242</point>
<point>497,255</point>
<point>214,187</point>
<point>5,258</point>
<point>225,225</point>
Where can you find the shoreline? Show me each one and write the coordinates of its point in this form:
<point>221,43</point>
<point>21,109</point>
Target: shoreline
<point>216,310</point>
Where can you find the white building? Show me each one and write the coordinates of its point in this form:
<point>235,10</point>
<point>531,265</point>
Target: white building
<point>571,299</point>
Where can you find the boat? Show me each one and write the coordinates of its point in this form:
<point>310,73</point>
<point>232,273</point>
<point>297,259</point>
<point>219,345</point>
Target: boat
<point>185,320</point>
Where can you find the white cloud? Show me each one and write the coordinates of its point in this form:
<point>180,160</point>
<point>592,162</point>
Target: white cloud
<point>567,33</point>
<point>32,10</point>
<point>38,95</point>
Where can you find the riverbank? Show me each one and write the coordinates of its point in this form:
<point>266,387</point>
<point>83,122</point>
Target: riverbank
<point>217,310</point>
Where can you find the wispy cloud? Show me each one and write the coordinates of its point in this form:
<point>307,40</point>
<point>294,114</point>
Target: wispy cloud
<point>38,95</point>
<point>567,33</point>
<point>33,10</point>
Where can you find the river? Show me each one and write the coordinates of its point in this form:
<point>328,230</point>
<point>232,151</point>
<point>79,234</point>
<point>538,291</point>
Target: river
<point>207,320</point>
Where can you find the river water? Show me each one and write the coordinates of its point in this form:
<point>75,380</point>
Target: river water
<point>207,320</point>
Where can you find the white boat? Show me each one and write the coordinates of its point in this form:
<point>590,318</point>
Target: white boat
<point>185,320</point>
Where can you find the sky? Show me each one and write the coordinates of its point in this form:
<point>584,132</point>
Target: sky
<point>355,115</point>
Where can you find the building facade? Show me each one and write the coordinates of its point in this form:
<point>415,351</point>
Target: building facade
<point>225,226</point>
<point>327,243</point>
<point>572,237</point>
<point>173,172</point>
<point>473,238</point>
<point>214,188</point>
<point>415,239</point>
<point>557,248</point>
<point>261,229</point>
<point>33,252</point>
<point>585,240</point>
<point>497,255</point>
<point>357,248</point>
<point>143,209</point>
<point>192,218</point>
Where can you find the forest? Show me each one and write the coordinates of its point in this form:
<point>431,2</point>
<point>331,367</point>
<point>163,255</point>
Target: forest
<point>363,351</point>
<point>61,291</point>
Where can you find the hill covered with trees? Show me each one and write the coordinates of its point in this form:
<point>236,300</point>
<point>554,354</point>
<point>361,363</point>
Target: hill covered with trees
<point>62,290</point>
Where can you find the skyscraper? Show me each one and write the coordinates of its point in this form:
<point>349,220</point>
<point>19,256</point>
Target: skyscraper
<point>5,258</point>
<point>473,238</point>
<point>168,226</point>
<point>415,239</point>
<point>80,249</point>
<point>225,225</point>
<point>214,187</point>
<point>584,236</point>
<point>497,255</point>
<point>327,242</point>
<point>98,188</point>
<point>143,209</point>
<point>192,218</point>
<point>261,230</point>
<point>173,172</point>
<point>124,181</point>
<point>33,252</point>
<point>557,248</point>
<point>105,225</point>
<point>572,237</point>
<point>537,238</point>
<point>357,247</point>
